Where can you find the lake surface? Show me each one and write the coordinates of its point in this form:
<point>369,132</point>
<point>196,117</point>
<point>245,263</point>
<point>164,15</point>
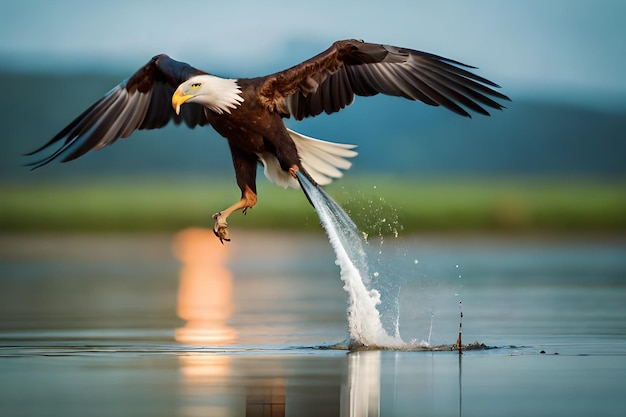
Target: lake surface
<point>179,325</point>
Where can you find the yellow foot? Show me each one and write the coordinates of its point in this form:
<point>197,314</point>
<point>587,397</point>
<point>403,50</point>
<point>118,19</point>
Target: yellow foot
<point>293,170</point>
<point>221,228</point>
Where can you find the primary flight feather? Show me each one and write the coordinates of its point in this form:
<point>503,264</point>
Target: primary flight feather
<point>249,112</point>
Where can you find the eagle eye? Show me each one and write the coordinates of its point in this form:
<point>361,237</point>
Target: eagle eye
<point>196,85</point>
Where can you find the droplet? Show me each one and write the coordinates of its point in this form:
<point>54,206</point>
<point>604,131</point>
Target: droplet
<point>415,261</point>
<point>375,274</point>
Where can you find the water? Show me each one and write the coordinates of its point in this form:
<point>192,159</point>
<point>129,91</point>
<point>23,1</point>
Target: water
<point>179,325</point>
<point>364,324</point>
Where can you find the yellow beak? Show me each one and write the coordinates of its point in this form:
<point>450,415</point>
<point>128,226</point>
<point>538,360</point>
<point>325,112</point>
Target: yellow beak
<point>178,99</point>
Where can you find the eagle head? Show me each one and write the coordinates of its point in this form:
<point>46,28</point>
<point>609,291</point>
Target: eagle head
<point>220,95</point>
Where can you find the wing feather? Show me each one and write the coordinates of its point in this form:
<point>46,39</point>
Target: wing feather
<point>469,88</point>
<point>457,93</point>
<point>141,102</point>
<point>329,81</point>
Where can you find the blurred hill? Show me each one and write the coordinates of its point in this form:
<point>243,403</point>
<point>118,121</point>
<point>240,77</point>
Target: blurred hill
<point>531,137</point>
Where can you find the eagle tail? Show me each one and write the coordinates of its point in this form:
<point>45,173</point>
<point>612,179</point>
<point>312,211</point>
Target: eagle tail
<point>323,161</point>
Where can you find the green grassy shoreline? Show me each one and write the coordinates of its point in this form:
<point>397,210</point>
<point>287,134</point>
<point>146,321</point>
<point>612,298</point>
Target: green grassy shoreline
<point>386,205</point>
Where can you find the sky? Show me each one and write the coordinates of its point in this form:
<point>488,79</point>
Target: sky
<point>561,45</point>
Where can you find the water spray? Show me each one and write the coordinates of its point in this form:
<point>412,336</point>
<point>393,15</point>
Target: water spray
<point>430,330</point>
<point>364,320</point>
<point>364,324</point>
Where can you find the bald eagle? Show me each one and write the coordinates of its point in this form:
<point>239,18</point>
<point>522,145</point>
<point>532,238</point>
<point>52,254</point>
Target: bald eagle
<point>249,112</point>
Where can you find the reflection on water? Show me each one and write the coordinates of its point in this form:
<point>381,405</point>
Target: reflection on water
<point>460,385</point>
<point>369,381</point>
<point>363,397</point>
<point>266,399</point>
<point>205,302</point>
<point>205,296</point>
<point>216,384</point>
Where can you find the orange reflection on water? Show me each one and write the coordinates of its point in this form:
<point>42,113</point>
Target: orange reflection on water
<point>205,296</point>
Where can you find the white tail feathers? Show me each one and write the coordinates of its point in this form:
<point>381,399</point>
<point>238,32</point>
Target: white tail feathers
<point>322,160</point>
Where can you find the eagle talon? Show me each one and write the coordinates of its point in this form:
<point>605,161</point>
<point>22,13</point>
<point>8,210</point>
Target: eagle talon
<point>221,228</point>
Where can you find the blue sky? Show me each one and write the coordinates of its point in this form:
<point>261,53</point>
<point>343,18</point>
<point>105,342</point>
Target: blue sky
<point>538,45</point>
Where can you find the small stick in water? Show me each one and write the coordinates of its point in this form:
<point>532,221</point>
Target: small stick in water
<point>459,344</point>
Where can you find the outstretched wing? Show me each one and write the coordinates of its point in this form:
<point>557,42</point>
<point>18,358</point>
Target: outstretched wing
<point>144,101</point>
<point>329,81</point>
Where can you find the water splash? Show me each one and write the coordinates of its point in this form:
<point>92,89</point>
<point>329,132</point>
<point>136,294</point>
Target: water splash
<point>364,324</point>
